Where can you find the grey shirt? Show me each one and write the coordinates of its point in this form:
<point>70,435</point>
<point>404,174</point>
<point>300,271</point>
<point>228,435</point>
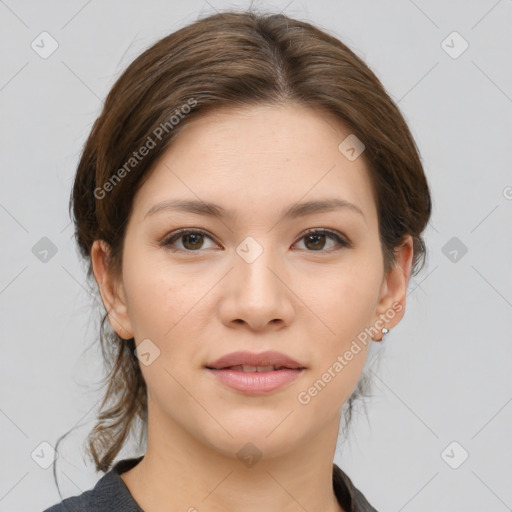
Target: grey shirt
<point>110,494</point>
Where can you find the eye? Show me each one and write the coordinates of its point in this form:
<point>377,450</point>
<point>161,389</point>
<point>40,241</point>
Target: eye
<point>191,240</point>
<point>315,239</point>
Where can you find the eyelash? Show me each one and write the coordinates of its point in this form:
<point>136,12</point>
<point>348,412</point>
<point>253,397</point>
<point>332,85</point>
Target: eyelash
<point>176,235</point>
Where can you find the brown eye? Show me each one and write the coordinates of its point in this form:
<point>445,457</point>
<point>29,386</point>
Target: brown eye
<point>315,240</point>
<point>191,240</point>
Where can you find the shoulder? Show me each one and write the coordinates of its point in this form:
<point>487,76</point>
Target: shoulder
<point>110,494</point>
<point>80,503</point>
<point>351,498</point>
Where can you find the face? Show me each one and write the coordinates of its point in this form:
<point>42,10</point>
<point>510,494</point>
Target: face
<point>197,286</point>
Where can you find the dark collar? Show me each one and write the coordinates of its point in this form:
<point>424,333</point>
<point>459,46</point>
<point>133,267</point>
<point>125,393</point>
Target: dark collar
<point>349,497</point>
<point>111,493</point>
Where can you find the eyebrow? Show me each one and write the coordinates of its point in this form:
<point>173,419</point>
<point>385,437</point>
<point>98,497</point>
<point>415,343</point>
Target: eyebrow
<point>214,210</point>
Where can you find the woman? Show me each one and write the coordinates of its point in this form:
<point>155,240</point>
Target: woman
<point>250,203</point>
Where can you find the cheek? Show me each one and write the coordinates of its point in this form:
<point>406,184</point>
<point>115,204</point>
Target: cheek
<point>167,303</point>
<point>156,305</point>
<point>346,307</point>
<point>155,297</point>
<point>352,295</point>
<point>346,310</point>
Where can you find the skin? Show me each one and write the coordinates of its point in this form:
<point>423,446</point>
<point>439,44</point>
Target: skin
<point>306,298</point>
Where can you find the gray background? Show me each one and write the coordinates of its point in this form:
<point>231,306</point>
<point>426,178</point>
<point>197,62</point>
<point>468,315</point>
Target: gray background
<point>446,369</point>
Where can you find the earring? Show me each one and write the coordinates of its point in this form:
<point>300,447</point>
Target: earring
<point>384,332</point>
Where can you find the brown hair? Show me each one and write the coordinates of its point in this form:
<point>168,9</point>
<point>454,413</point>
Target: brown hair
<point>230,59</point>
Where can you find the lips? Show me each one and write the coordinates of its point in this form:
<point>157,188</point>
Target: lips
<point>255,374</point>
<point>251,368</point>
<point>255,362</point>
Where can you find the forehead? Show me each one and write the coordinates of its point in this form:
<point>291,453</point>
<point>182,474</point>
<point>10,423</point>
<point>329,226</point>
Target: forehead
<point>259,156</point>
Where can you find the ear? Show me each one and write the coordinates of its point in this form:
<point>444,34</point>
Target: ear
<point>391,306</point>
<point>112,293</point>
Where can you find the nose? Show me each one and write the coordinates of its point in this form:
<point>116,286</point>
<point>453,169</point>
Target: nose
<point>256,294</point>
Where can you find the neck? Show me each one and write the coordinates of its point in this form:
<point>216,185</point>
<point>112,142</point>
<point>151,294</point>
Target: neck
<point>179,472</point>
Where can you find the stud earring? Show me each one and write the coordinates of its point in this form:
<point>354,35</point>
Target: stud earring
<point>384,331</point>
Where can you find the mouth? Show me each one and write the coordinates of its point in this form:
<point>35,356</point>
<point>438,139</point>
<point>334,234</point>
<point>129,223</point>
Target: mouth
<point>255,374</point>
<point>255,362</point>
<point>250,382</point>
<point>247,368</point>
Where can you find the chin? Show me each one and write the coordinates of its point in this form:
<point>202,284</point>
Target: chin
<point>250,433</point>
